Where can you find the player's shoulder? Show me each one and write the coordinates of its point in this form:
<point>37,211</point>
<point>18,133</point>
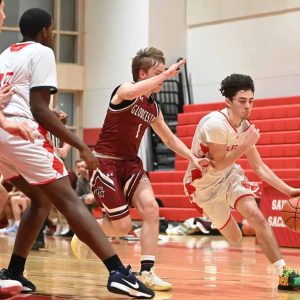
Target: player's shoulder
<point>41,49</point>
<point>213,117</point>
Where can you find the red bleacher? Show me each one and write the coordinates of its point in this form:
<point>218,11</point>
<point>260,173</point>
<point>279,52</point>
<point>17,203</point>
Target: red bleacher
<point>279,145</point>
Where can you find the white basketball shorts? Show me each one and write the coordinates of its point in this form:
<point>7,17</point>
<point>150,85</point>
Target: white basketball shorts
<point>36,162</point>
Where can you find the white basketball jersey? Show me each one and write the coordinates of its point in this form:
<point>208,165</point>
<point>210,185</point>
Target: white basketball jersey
<point>214,128</point>
<point>26,65</point>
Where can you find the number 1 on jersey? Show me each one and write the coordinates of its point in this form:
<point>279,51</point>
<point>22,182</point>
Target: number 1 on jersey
<point>138,130</point>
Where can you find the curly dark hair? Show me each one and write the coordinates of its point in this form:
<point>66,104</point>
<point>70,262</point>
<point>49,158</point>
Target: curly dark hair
<point>145,59</point>
<point>234,83</point>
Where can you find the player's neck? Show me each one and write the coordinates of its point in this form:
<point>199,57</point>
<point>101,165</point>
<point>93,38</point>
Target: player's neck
<point>235,121</point>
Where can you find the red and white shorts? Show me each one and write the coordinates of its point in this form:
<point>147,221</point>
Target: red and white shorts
<point>216,200</point>
<point>36,162</point>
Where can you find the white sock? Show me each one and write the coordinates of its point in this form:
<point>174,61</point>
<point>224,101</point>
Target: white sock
<point>17,223</point>
<point>278,265</point>
<point>10,222</point>
<point>147,257</point>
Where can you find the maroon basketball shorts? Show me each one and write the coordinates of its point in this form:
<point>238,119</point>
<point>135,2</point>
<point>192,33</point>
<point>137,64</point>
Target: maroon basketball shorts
<point>114,184</point>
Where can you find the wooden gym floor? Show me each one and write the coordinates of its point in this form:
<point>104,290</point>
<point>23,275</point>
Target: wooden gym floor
<point>199,267</point>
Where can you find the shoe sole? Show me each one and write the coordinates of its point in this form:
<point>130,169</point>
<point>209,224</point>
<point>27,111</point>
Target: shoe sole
<point>119,289</point>
<point>10,290</point>
<point>160,288</point>
<point>288,288</point>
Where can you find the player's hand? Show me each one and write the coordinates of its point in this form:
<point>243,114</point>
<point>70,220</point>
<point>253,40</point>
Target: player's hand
<point>294,192</point>
<point>89,199</point>
<point>252,136</point>
<point>63,117</point>
<point>87,155</point>
<point>20,129</point>
<point>175,68</point>
<point>6,92</point>
<point>202,163</point>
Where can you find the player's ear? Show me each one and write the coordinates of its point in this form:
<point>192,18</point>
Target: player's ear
<point>142,74</point>
<point>44,32</point>
<point>228,102</point>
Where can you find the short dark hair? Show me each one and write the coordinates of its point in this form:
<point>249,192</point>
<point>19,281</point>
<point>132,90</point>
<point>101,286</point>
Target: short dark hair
<point>234,83</point>
<point>33,21</point>
<point>145,59</point>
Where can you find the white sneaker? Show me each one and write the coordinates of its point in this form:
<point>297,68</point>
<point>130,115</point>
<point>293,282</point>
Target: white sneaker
<point>79,249</point>
<point>153,282</point>
<point>10,287</point>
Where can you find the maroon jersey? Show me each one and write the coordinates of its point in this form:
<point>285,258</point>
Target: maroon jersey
<point>125,125</point>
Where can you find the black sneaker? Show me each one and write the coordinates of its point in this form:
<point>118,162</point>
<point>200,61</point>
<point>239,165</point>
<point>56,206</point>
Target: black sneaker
<point>28,286</point>
<point>128,285</point>
<point>38,245</point>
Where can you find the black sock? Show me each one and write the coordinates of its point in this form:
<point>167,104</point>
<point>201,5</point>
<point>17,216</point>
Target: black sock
<point>114,264</point>
<point>146,265</point>
<point>16,265</point>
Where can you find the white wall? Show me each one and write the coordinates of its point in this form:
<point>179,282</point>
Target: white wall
<point>116,29</point>
<point>167,28</point>
<point>265,47</point>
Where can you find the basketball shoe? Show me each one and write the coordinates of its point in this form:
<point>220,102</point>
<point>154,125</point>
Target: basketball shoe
<point>289,280</point>
<point>153,282</point>
<point>129,285</point>
<point>27,286</point>
<point>10,287</point>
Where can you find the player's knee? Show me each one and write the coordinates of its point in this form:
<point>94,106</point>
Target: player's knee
<point>151,211</point>
<point>236,239</point>
<point>257,219</point>
<point>122,226</point>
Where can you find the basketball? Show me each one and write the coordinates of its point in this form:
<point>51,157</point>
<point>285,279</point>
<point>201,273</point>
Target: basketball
<point>291,214</point>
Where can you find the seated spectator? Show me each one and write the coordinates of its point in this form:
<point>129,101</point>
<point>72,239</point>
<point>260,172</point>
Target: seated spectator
<point>83,188</point>
<point>15,206</point>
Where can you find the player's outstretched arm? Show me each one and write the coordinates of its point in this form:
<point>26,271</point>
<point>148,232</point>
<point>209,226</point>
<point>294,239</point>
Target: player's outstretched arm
<point>175,144</point>
<point>131,91</point>
<point>39,102</point>
<point>267,175</point>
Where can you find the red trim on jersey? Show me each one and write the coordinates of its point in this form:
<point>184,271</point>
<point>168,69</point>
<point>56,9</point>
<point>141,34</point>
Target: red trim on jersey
<point>228,121</point>
<point>204,148</point>
<point>196,174</point>
<point>241,197</point>
<point>11,178</point>
<point>57,165</point>
<point>190,189</point>
<point>225,223</point>
<point>44,182</point>
<point>18,47</point>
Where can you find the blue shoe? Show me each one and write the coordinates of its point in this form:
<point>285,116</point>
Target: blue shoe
<point>128,285</point>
